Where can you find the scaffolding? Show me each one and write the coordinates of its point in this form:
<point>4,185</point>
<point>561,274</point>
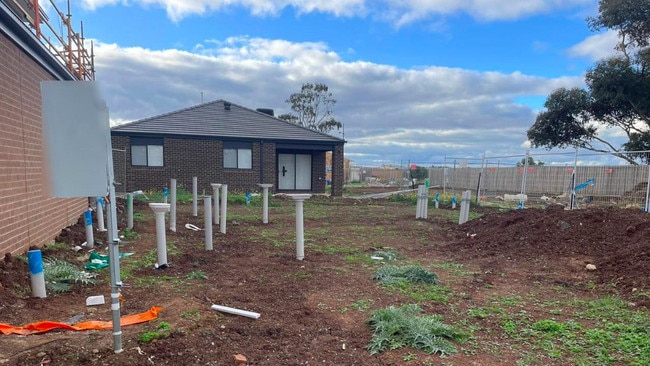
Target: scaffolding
<point>67,46</point>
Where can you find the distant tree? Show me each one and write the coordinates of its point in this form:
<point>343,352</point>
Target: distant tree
<point>312,108</point>
<point>531,162</point>
<point>616,95</point>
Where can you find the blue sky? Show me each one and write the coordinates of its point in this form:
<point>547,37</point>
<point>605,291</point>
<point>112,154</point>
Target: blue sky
<point>415,80</point>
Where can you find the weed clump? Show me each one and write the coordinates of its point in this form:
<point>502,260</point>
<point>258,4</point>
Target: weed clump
<point>404,327</point>
<point>390,274</point>
<point>61,275</point>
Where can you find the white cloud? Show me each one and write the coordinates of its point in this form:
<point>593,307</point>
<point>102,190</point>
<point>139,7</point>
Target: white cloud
<point>398,12</point>
<point>389,113</point>
<point>596,47</point>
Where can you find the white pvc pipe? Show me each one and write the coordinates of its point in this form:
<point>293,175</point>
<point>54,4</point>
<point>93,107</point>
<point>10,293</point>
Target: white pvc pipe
<point>224,207</point>
<point>90,239</point>
<point>172,213</point>
<point>422,202</point>
<point>100,214</point>
<point>464,207</point>
<point>159,209</point>
<point>647,193</point>
<point>195,196</point>
<point>418,209</point>
<point>215,212</point>
<point>207,208</point>
<point>265,207</point>
<point>230,310</point>
<point>36,273</point>
<point>129,210</point>
<point>300,234</point>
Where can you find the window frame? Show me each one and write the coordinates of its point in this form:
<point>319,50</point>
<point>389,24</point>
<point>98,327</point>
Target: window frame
<point>151,144</point>
<point>239,148</point>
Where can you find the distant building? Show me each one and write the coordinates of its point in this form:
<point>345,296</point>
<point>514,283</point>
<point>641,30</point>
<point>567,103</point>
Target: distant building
<point>221,142</point>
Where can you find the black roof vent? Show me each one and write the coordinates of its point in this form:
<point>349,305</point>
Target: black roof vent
<point>226,105</point>
<point>268,111</point>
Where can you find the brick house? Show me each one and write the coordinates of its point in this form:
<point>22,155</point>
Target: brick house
<point>28,216</point>
<point>221,142</point>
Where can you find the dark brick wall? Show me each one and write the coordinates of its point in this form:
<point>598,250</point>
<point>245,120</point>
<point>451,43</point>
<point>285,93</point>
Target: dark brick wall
<point>337,171</point>
<point>269,175</point>
<point>318,181</point>
<point>201,158</point>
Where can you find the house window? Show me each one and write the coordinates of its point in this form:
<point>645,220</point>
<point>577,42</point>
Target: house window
<point>237,155</point>
<point>146,151</point>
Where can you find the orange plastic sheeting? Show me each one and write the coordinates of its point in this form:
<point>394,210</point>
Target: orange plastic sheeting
<point>46,326</point>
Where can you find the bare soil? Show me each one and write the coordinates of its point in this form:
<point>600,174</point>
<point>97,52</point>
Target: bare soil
<point>308,312</point>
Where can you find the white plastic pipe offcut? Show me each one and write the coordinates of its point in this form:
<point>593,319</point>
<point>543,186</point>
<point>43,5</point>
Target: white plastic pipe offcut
<point>229,310</point>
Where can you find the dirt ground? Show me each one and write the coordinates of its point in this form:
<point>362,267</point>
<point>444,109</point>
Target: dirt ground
<point>307,307</point>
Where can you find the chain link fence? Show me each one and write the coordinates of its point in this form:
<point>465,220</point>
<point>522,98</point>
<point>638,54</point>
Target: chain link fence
<point>577,179</point>
<point>585,182</point>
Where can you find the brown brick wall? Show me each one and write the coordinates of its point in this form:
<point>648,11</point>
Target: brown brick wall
<point>201,158</point>
<point>27,215</point>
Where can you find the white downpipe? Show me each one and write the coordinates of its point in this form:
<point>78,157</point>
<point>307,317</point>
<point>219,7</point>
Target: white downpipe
<point>224,207</point>
<point>172,213</point>
<point>265,206</point>
<point>300,233</point>
<point>129,210</point>
<point>215,211</point>
<point>36,273</point>
<point>229,310</point>
<point>159,209</point>
<point>100,214</point>
<point>90,239</point>
<point>195,196</point>
<point>207,208</point>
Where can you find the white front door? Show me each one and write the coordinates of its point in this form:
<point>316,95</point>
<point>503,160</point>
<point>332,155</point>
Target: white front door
<point>294,171</point>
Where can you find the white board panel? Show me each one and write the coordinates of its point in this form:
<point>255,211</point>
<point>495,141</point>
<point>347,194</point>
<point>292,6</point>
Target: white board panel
<point>303,171</point>
<point>286,171</point>
<point>76,139</point>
